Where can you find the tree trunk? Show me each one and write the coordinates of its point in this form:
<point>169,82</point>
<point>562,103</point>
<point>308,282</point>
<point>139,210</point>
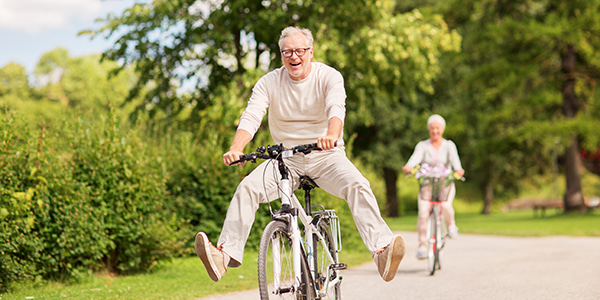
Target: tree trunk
<point>391,178</point>
<point>239,50</point>
<point>489,198</point>
<point>573,198</point>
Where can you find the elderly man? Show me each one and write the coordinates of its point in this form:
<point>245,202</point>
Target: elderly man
<point>306,102</point>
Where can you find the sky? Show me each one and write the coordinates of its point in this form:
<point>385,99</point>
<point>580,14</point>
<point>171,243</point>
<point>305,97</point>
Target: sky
<point>30,28</point>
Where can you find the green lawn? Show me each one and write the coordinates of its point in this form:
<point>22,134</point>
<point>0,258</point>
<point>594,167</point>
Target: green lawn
<point>185,278</point>
<point>518,223</point>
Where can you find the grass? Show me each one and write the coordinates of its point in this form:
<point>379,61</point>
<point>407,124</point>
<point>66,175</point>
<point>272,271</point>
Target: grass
<point>183,278</point>
<point>517,223</point>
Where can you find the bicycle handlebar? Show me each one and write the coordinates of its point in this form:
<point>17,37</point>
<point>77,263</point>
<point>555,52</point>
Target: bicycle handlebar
<point>426,172</point>
<point>276,152</point>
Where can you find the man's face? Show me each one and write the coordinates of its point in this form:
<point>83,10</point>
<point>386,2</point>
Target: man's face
<point>297,66</point>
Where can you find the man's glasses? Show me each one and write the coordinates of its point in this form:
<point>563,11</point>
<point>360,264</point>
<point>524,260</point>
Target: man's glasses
<point>290,52</point>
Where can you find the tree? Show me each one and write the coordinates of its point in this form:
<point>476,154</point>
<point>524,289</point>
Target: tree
<point>194,46</point>
<point>14,82</point>
<point>49,70</point>
<point>523,89</point>
<point>223,41</point>
<point>81,82</point>
<point>388,65</point>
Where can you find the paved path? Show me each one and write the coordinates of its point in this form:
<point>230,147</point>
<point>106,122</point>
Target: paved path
<point>482,267</point>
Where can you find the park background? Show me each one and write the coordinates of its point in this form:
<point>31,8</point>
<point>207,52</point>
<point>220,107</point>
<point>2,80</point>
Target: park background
<point>111,162</point>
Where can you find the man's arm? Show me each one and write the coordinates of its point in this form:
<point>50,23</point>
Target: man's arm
<point>240,140</point>
<point>334,129</point>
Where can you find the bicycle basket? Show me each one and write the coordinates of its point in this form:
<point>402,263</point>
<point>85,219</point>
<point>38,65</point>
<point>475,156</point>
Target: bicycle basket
<point>443,190</point>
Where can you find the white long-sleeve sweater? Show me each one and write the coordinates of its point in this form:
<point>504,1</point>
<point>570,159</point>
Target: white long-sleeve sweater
<point>446,155</point>
<point>299,111</point>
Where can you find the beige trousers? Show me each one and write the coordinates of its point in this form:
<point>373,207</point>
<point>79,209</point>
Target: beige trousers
<point>332,171</point>
<point>424,206</point>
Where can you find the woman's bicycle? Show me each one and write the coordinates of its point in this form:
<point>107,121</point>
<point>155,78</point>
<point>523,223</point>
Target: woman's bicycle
<point>297,260</point>
<point>435,184</point>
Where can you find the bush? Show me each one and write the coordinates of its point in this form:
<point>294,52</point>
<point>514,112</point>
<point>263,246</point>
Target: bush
<point>126,192</point>
<point>201,186</point>
<point>85,198</point>
<point>19,242</point>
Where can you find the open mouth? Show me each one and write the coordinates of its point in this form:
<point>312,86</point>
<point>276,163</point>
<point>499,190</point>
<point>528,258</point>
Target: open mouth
<point>295,64</point>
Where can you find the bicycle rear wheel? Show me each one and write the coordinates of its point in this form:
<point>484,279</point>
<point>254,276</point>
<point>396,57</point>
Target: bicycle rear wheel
<point>322,263</point>
<point>276,266</point>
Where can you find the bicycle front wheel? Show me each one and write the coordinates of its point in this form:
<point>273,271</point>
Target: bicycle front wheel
<point>276,267</point>
<point>432,238</point>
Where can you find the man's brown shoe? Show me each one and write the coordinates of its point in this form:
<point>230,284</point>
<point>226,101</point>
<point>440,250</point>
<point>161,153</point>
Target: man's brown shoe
<point>388,259</point>
<point>215,261</point>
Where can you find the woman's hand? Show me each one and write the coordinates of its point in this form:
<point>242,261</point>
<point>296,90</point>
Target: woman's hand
<point>406,169</point>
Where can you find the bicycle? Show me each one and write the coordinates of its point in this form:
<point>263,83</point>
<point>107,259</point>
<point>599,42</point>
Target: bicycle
<point>434,186</point>
<point>289,266</point>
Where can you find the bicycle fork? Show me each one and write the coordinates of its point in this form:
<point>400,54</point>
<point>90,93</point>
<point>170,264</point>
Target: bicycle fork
<point>286,204</point>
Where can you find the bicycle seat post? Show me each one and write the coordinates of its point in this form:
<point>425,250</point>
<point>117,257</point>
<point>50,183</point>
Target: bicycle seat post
<point>307,199</point>
<point>307,184</point>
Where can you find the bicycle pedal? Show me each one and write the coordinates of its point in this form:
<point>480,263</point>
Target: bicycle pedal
<point>339,266</point>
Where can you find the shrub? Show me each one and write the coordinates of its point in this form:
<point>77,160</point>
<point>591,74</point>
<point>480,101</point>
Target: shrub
<point>85,197</point>
<point>201,186</point>
<point>19,244</point>
<point>126,192</point>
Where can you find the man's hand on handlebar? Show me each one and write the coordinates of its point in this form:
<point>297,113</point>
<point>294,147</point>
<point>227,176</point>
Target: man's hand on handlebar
<point>327,142</point>
<point>231,156</point>
<point>234,157</point>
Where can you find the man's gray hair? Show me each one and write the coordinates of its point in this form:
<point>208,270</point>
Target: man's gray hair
<point>291,30</point>
<point>437,119</point>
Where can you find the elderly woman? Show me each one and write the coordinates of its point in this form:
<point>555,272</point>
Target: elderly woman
<point>435,151</point>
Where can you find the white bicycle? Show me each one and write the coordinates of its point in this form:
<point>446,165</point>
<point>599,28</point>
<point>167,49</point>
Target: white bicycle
<point>297,260</point>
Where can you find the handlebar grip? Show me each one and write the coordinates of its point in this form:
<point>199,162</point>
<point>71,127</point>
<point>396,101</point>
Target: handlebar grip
<point>236,162</point>
<point>243,157</point>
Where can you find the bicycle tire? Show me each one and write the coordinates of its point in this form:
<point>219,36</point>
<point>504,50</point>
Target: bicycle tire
<point>443,233</point>
<point>438,238</point>
<point>321,261</point>
<point>276,234</point>
<point>432,248</point>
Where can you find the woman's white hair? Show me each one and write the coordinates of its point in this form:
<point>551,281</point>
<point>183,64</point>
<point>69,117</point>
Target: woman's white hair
<point>291,30</point>
<point>437,119</point>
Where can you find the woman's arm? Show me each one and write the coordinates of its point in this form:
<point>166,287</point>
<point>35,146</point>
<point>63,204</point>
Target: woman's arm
<point>415,159</point>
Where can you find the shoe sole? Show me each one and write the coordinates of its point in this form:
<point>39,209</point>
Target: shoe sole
<point>202,246</point>
<point>395,256</point>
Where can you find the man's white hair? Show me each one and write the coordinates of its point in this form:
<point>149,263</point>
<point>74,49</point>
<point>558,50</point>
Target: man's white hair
<point>291,30</point>
<point>437,119</point>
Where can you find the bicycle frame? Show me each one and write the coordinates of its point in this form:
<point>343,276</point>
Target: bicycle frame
<point>436,234</point>
<point>291,210</point>
<point>435,187</point>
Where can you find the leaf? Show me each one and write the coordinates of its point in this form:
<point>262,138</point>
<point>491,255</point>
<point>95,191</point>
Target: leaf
<point>3,213</point>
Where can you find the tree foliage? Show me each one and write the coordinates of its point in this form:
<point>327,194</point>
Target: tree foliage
<point>512,75</point>
<point>387,58</point>
<point>81,82</point>
<point>14,82</point>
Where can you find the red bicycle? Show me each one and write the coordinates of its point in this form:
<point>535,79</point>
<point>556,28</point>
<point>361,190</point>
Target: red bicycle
<point>435,183</point>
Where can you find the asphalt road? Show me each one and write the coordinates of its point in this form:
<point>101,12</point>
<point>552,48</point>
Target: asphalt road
<point>482,267</point>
